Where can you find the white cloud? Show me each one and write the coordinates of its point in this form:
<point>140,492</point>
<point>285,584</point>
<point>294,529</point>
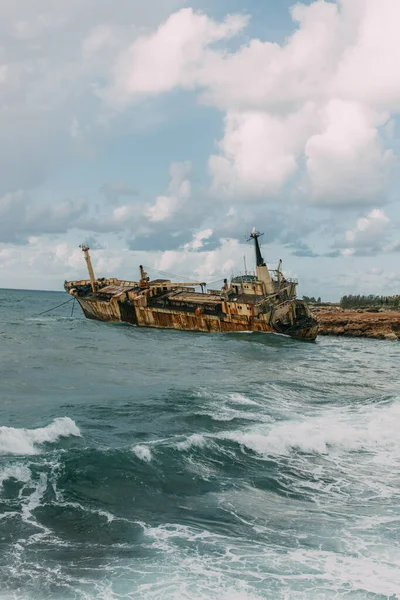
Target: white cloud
<point>179,193</point>
<point>198,239</point>
<point>204,265</point>
<point>368,281</point>
<point>346,161</point>
<point>54,55</point>
<point>259,151</point>
<point>170,57</point>
<point>368,234</point>
<point>369,67</point>
<point>319,99</point>
<point>316,112</point>
<point>138,217</point>
<point>163,209</point>
<point>21,218</point>
<point>49,262</point>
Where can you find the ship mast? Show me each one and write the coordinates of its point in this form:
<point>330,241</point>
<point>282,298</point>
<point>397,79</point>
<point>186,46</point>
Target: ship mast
<point>263,273</point>
<point>279,271</point>
<point>85,250</point>
<point>144,278</point>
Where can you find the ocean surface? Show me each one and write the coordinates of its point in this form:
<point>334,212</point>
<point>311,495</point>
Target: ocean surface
<point>157,465</point>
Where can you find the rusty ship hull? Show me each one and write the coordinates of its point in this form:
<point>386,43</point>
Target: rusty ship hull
<point>120,307</point>
<point>168,319</point>
<point>256,302</point>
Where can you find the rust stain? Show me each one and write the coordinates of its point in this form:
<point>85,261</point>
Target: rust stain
<point>251,303</point>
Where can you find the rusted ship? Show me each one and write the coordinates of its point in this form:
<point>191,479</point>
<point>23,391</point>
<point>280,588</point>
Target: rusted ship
<point>264,301</point>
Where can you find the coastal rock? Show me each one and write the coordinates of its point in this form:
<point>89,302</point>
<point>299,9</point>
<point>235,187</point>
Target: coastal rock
<point>355,323</point>
<point>391,336</point>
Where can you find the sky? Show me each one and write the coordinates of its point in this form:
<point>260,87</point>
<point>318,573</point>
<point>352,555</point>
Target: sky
<point>161,132</point>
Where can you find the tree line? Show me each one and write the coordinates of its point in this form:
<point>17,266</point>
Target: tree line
<point>371,301</point>
<point>312,300</point>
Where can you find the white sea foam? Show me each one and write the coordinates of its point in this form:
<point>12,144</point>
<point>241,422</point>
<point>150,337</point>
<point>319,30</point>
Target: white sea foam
<point>241,399</point>
<point>142,452</point>
<point>19,472</point>
<point>33,501</point>
<point>24,441</point>
<point>229,414</point>
<point>195,440</point>
<point>301,573</point>
<point>227,407</point>
<point>368,428</point>
<point>229,398</point>
<point>102,513</point>
<point>340,571</point>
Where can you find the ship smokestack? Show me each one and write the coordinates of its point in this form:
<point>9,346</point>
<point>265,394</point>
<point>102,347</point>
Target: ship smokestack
<point>263,273</point>
<point>85,250</point>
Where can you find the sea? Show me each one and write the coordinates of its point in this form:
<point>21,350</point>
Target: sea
<point>149,464</point>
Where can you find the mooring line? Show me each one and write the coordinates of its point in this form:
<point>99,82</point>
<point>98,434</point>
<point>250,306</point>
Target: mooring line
<point>54,307</point>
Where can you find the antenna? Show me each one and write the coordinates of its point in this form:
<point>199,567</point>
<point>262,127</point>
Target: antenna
<point>245,266</point>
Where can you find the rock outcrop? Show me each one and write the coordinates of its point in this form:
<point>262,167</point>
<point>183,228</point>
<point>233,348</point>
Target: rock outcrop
<point>352,323</point>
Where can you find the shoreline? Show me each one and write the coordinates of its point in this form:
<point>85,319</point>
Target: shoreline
<point>359,323</point>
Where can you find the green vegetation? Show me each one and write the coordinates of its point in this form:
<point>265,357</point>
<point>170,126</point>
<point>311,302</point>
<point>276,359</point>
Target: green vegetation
<point>312,300</point>
<point>371,301</point>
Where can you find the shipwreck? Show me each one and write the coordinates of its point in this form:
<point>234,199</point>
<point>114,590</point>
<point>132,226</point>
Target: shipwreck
<point>264,301</point>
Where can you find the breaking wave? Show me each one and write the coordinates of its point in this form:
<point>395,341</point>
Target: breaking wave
<point>195,440</point>
<point>25,441</point>
<point>143,452</point>
<point>368,428</point>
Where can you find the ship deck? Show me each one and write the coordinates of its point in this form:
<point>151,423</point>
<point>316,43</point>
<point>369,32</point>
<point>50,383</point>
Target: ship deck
<point>195,297</point>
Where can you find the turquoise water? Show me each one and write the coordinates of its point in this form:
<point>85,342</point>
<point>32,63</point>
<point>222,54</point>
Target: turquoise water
<point>150,464</point>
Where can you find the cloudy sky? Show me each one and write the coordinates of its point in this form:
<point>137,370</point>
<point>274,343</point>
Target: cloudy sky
<point>161,132</point>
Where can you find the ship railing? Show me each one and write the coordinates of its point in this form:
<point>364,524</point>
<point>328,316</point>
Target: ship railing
<point>107,280</point>
<point>79,282</point>
<point>127,283</point>
<point>279,274</point>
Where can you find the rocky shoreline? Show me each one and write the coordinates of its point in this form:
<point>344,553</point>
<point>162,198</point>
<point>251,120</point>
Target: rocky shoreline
<point>353,323</point>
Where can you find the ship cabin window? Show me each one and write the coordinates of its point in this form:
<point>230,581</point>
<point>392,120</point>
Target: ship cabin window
<point>239,307</point>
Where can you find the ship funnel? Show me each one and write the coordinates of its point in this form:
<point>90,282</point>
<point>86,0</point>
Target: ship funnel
<point>263,273</point>
<point>85,250</point>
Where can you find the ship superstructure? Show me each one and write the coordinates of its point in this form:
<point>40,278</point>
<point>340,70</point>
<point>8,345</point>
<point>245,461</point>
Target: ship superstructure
<point>263,301</point>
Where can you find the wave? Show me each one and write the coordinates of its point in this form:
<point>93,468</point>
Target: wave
<point>237,398</point>
<point>19,472</point>
<point>25,441</point>
<point>363,573</point>
<point>142,452</point>
<point>195,440</point>
<point>221,398</point>
<point>364,429</point>
<point>266,570</point>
